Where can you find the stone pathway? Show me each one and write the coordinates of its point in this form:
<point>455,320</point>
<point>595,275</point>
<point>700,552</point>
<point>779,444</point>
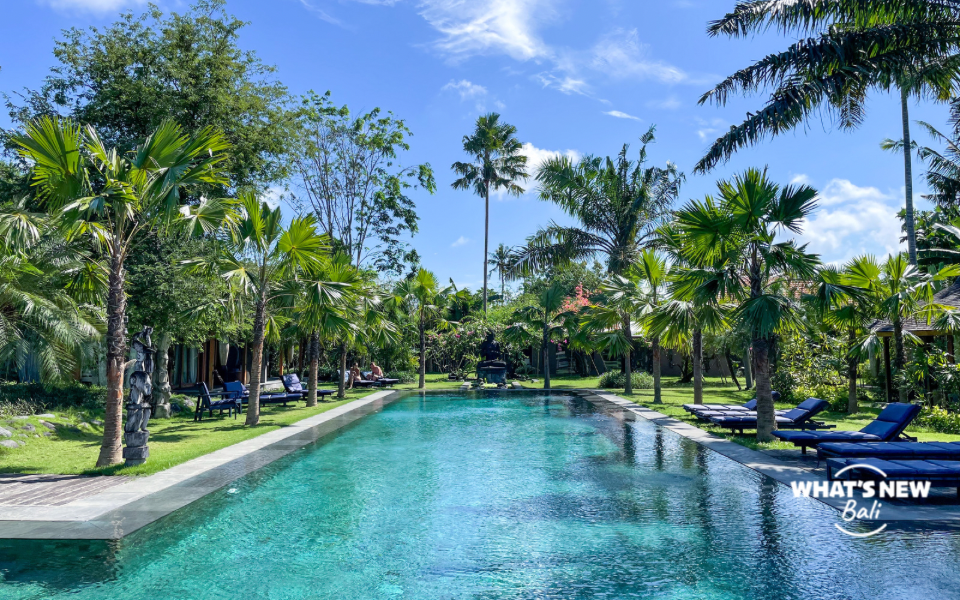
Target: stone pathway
<point>52,490</point>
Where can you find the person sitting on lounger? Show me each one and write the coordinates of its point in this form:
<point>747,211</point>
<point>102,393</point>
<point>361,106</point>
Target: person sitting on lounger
<point>375,371</point>
<point>355,375</point>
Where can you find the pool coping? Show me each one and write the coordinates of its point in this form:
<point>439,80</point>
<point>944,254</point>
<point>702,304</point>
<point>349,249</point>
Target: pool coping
<point>125,508</point>
<point>774,468</point>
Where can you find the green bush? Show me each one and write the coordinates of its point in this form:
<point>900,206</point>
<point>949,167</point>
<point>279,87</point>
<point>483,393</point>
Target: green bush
<point>939,420</point>
<point>404,376</point>
<point>615,379</point>
<point>32,398</point>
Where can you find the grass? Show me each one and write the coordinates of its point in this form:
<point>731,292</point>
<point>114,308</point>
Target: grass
<point>73,447</point>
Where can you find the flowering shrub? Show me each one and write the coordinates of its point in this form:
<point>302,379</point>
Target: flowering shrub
<point>579,301</point>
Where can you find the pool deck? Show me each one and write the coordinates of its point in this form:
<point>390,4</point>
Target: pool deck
<point>791,467</point>
<point>111,507</point>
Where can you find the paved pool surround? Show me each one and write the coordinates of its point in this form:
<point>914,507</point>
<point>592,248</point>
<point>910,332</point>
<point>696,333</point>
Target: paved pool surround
<point>125,508</point>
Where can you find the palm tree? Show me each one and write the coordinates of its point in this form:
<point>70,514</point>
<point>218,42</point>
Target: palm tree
<point>542,321</point>
<point>501,259</point>
<point>265,262</point>
<point>611,322</point>
<point>420,297</point>
<point>654,273</point>
<point>856,46</point>
<point>731,256</point>
<point>497,164</point>
<point>97,192</point>
<point>619,204</point>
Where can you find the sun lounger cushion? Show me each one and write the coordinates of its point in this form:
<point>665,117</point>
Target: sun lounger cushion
<point>891,450</point>
<point>897,469</point>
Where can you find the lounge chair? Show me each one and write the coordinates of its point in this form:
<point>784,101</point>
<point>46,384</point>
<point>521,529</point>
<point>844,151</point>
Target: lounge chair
<point>890,450</point>
<point>887,427</point>
<point>240,391</point>
<point>940,473</point>
<point>381,381</point>
<point>292,385</point>
<point>361,383</point>
<point>205,402</point>
<point>797,418</point>
<point>751,405</point>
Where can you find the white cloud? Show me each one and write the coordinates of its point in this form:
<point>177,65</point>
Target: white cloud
<point>709,129</point>
<point>852,220</point>
<point>800,179</point>
<point>461,241</point>
<point>472,27</point>
<point>621,56</point>
<point>466,89</point>
<point>671,103</point>
<point>566,84</point>
<point>537,156</point>
<point>91,5</point>
<point>324,15</point>
<point>273,196</point>
<point>621,115</point>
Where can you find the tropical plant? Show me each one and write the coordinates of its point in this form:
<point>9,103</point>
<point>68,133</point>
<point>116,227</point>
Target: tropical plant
<point>114,199</point>
<point>265,263</point>
<point>611,322</point>
<point>619,204</point>
<point>542,322</point>
<point>731,256</point>
<point>501,259</point>
<point>654,273</point>
<point>854,46</point>
<point>421,298</point>
<point>497,165</point>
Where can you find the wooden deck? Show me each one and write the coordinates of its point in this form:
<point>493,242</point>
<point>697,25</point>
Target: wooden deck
<point>52,490</point>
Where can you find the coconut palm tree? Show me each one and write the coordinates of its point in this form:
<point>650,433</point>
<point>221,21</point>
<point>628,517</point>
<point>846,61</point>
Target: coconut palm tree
<point>265,263</point>
<point>542,321</point>
<point>114,199</point>
<point>619,204</point>
<point>731,256</point>
<point>853,47</point>
<point>497,165</point>
<point>501,259</point>
<point>421,298</point>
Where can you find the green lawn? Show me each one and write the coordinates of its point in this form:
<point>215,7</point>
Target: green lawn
<point>73,449</point>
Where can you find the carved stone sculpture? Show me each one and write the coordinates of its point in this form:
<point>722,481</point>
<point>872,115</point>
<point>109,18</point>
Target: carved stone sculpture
<point>135,431</point>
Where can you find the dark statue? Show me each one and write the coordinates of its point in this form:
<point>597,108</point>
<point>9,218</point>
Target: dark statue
<point>138,408</point>
<point>492,369</point>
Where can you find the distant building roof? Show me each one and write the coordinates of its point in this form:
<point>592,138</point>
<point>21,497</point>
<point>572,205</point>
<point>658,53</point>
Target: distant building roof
<point>948,296</point>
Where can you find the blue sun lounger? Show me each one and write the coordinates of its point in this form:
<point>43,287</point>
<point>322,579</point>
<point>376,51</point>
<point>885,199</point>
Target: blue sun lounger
<point>887,427</point>
<point>205,402</point>
<point>292,385</point>
<point>940,473</point>
<point>890,450</point>
<point>751,405</point>
<point>238,390</point>
<point>797,418</point>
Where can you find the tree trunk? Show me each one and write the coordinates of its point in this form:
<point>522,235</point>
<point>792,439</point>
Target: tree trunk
<point>486,239</point>
<point>697,359</point>
<point>655,348</point>
<point>314,362</point>
<point>748,367</point>
<point>732,368</point>
<point>546,358</point>
<point>256,369</point>
<point>161,378</point>
<point>111,452</point>
<point>852,363</point>
<point>908,220</point>
<point>899,360</point>
<point>766,420</point>
<point>342,386</point>
<point>423,351</point>
<point>627,366</point>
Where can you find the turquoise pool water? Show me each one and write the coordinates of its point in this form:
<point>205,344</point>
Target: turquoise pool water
<point>520,497</point>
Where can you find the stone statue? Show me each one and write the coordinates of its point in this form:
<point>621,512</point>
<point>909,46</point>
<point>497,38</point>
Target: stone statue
<point>491,368</point>
<point>138,408</point>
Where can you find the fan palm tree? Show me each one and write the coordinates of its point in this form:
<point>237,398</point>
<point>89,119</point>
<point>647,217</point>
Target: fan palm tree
<point>543,320</point>
<point>731,256</point>
<point>501,259</point>
<point>854,46</point>
<point>619,204</point>
<point>266,263</point>
<point>114,199</point>
<point>422,299</point>
<point>654,273</point>
<point>611,322</point>
<point>497,165</point>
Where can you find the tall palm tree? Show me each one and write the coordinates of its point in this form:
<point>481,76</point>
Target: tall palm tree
<point>731,256</point>
<point>422,299</point>
<point>654,273</point>
<point>501,259</point>
<point>114,198</point>
<point>542,321</point>
<point>266,263</point>
<point>911,46</point>
<point>611,322</point>
<point>497,165</point>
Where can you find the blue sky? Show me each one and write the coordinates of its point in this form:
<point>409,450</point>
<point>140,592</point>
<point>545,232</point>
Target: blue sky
<point>574,76</point>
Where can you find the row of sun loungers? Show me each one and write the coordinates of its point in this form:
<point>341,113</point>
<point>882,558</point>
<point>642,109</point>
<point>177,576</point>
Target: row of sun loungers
<point>235,395</point>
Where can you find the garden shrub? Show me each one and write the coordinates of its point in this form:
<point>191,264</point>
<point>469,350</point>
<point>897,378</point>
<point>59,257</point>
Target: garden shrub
<point>32,398</point>
<point>405,376</point>
<point>615,379</point>
<point>939,420</point>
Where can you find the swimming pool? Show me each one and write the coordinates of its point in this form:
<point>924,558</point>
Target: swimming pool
<point>514,497</point>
